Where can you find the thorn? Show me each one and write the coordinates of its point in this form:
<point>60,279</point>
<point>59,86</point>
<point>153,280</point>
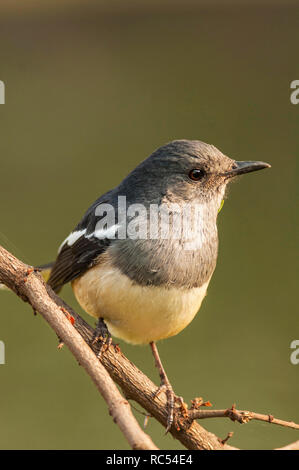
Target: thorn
<point>223,441</point>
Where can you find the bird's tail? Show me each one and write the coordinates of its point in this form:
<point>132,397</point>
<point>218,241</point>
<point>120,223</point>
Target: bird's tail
<point>44,269</point>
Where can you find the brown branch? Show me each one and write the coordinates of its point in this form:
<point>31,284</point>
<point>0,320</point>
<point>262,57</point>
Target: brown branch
<point>31,288</point>
<point>240,415</point>
<point>292,446</point>
<point>134,384</point>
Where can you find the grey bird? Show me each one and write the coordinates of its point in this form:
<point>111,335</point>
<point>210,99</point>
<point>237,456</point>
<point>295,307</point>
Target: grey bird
<point>131,260</point>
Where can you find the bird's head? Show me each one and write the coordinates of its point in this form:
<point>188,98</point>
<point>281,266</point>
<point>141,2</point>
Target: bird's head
<point>190,171</point>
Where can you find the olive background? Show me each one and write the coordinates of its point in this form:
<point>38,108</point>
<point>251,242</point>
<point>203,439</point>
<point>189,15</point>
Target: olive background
<point>92,88</point>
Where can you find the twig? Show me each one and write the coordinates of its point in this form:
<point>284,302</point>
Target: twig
<point>240,415</point>
<point>229,435</point>
<point>28,285</point>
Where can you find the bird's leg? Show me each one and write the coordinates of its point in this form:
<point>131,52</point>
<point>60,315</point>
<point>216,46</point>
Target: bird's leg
<point>165,386</point>
<point>102,333</point>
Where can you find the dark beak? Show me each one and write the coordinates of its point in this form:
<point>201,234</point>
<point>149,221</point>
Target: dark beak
<point>246,167</point>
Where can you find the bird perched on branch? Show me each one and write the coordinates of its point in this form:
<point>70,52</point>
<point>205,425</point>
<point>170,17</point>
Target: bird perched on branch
<point>142,257</point>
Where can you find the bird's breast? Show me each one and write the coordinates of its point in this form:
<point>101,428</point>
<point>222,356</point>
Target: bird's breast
<point>136,313</point>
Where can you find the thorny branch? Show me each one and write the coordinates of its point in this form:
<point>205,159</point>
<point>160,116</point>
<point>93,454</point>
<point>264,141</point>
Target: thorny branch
<point>77,336</point>
<point>241,416</point>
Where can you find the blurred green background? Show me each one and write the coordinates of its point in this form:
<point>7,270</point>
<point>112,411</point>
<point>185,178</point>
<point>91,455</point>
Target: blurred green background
<point>92,88</point>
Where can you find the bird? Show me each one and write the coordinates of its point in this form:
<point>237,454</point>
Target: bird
<point>142,256</point>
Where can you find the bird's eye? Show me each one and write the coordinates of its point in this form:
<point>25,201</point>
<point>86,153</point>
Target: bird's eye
<point>196,174</point>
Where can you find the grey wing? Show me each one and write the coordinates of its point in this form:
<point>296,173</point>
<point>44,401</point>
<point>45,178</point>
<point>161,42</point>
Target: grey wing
<point>79,251</point>
<point>74,260</point>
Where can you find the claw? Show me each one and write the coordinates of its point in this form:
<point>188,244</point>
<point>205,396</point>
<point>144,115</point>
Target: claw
<point>172,399</point>
<point>102,334</point>
<point>159,390</point>
<point>170,402</point>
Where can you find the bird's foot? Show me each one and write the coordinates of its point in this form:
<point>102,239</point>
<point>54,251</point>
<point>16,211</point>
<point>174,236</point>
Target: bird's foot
<point>172,400</point>
<point>101,333</point>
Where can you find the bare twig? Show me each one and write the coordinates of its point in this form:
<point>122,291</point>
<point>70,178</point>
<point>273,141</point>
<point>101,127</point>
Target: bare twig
<point>240,415</point>
<point>229,435</point>
<point>28,285</point>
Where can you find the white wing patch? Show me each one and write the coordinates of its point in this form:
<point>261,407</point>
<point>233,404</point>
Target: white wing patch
<point>72,238</point>
<point>109,233</point>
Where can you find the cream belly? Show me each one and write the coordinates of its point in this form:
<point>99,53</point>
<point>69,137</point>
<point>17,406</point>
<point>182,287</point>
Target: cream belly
<point>136,314</point>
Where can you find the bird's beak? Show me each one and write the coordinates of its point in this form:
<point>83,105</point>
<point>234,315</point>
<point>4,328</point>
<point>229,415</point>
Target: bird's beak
<point>246,167</point>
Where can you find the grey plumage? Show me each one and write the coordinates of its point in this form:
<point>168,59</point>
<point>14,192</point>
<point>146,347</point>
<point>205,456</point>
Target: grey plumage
<point>163,178</point>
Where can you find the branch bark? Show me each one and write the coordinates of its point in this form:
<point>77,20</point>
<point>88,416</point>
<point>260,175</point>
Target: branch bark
<point>30,287</point>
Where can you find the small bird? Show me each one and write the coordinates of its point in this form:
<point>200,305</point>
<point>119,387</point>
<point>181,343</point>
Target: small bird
<point>142,257</point>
